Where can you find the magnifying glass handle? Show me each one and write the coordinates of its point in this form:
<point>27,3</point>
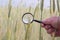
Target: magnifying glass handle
<point>38,21</point>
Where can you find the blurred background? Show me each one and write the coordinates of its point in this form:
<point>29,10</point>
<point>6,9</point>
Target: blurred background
<point>11,25</point>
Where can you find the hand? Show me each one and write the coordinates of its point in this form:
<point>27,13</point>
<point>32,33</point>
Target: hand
<point>54,25</point>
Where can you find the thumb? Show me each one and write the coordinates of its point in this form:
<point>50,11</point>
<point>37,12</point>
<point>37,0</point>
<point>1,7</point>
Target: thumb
<point>47,21</point>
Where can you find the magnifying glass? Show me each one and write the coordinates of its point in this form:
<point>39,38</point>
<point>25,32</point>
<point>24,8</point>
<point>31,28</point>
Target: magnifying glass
<point>28,18</point>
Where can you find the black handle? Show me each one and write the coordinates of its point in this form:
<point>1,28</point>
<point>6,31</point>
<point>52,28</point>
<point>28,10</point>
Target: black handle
<point>38,21</point>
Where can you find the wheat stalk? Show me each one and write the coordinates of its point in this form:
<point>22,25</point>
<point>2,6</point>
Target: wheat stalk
<point>41,7</point>
<point>58,7</point>
<point>53,6</point>
<point>8,28</point>
<point>50,6</point>
<point>15,30</point>
<point>9,7</point>
<point>27,32</point>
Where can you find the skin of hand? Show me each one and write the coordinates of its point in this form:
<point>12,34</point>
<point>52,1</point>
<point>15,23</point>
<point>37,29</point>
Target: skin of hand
<point>54,26</point>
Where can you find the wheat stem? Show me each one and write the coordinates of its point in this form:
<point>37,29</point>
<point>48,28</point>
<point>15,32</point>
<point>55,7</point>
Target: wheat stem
<point>53,6</point>
<point>8,28</point>
<point>58,5</point>
<point>41,7</point>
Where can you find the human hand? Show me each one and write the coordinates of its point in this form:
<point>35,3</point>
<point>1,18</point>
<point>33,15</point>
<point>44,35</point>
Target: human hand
<point>54,26</point>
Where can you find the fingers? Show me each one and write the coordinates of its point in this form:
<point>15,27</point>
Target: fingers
<point>50,31</point>
<point>48,28</point>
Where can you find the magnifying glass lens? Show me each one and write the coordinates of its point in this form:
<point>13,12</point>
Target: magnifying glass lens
<point>27,18</point>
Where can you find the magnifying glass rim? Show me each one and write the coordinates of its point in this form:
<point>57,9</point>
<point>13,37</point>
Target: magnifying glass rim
<point>24,15</point>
